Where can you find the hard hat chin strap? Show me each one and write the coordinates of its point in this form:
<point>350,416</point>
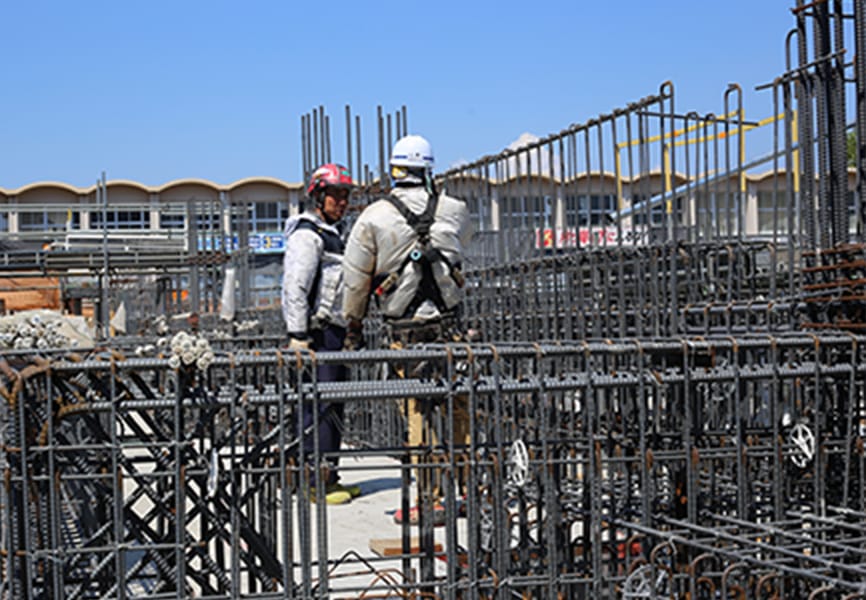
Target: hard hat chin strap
<point>429,184</point>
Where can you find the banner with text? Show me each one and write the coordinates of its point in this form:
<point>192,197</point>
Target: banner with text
<point>571,237</point>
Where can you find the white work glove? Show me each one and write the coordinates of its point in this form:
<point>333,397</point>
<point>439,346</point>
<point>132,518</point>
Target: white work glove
<point>298,344</point>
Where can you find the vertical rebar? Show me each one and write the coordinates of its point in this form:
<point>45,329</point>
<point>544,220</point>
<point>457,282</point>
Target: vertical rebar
<point>323,136</point>
<point>838,143</point>
<point>805,120</point>
<point>358,172</point>
<point>860,129</point>
<point>349,140</point>
<point>382,173</point>
<point>821,37</point>
<point>104,284</point>
<point>315,139</point>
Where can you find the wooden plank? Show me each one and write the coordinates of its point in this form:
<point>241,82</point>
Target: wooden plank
<point>394,546</point>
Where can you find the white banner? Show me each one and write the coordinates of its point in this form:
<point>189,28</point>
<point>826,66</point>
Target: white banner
<point>568,237</point>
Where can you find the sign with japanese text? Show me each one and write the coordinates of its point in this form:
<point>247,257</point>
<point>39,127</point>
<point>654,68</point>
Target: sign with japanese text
<point>571,237</point>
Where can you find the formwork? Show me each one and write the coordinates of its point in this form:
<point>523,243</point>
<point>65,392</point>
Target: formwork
<point>665,391</point>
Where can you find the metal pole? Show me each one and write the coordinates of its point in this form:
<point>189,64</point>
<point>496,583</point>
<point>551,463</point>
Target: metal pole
<point>315,139</point>
<point>381,146</point>
<point>104,312</point>
<point>358,171</point>
<point>349,138</point>
<point>860,78</point>
<point>322,134</point>
<point>327,139</point>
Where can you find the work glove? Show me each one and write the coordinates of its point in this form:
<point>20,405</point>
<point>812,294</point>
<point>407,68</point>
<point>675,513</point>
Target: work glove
<point>298,344</point>
<point>354,336</point>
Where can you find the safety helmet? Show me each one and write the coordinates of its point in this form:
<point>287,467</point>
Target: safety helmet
<point>329,175</point>
<point>412,151</point>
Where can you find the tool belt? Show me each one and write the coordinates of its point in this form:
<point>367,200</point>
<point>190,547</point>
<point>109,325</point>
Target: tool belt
<point>410,331</point>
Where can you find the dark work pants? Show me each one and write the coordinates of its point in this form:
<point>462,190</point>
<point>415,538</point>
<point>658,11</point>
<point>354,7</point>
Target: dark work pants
<point>330,431</point>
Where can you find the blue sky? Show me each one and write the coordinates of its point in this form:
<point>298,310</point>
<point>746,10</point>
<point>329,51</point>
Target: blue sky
<point>155,91</point>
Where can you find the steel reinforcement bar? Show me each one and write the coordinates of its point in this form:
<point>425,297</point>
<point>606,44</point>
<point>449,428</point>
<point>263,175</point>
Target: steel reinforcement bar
<point>127,478</point>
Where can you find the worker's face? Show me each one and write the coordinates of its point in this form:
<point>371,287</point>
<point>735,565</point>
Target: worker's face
<point>335,203</point>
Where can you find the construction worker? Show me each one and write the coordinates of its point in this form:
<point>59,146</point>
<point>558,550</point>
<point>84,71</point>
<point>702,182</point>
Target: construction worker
<point>312,304</point>
<point>406,250</point>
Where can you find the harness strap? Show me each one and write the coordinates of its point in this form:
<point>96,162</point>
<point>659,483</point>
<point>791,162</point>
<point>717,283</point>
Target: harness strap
<point>332,243</point>
<point>420,223</point>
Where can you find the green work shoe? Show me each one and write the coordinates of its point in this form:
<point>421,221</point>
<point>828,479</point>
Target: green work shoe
<point>332,496</point>
<point>353,490</point>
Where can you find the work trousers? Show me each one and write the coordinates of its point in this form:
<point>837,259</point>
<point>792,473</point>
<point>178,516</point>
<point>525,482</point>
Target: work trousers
<point>424,416</point>
<point>330,414</point>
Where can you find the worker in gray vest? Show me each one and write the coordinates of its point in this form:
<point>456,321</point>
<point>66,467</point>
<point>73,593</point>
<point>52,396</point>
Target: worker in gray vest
<point>312,298</point>
<point>406,251</point>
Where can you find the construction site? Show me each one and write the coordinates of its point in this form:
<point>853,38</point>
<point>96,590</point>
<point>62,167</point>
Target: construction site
<point>664,395</point>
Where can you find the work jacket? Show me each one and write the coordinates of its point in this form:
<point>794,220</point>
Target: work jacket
<point>312,275</point>
<point>378,248</point>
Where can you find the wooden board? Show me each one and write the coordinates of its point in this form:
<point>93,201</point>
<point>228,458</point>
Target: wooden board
<point>394,546</point>
<point>28,293</point>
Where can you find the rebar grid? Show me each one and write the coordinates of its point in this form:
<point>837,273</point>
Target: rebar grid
<point>702,289</point>
<point>128,475</point>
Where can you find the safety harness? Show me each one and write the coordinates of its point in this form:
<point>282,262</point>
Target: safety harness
<point>424,254</point>
<point>333,243</point>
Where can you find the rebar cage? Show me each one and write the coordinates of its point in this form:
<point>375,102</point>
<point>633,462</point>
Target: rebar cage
<point>664,395</point>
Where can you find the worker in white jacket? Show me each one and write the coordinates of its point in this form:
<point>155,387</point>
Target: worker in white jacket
<point>406,251</point>
<point>312,302</point>
<point>412,269</point>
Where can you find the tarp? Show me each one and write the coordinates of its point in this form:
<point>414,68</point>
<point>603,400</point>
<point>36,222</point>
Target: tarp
<point>26,293</point>
<point>71,331</point>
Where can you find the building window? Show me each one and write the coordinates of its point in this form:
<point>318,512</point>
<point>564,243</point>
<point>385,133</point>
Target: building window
<point>48,220</point>
<point>120,219</point>
<point>526,212</point>
<point>479,212</point>
<point>268,216</point>
<point>583,210</point>
<point>4,221</point>
<point>172,218</point>
<point>208,221</point>
<point>770,207</point>
<point>264,216</point>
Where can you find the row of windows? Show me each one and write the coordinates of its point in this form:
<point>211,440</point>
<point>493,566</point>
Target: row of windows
<point>714,212</point>
<point>579,210</point>
<point>261,217</point>
<point>531,211</point>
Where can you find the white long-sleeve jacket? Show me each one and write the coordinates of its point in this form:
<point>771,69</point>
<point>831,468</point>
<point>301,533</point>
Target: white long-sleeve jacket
<point>379,243</point>
<point>312,274</point>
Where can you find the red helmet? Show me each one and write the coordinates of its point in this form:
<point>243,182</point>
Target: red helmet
<point>329,175</point>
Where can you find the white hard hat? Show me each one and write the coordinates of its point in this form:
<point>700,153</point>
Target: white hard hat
<point>412,151</point>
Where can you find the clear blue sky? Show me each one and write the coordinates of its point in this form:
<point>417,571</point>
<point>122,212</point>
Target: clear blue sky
<point>155,91</point>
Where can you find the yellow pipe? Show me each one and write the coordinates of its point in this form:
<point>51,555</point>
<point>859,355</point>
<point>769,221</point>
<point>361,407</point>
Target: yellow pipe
<point>669,205</point>
<point>722,135</point>
<point>742,154</point>
<point>674,134</point>
<point>618,173</point>
<point>796,154</point>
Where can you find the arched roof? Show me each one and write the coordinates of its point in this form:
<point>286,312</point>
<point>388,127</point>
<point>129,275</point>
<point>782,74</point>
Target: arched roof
<point>43,184</point>
<point>126,183</point>
<point>188,181</point>
<point>269,180</point>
